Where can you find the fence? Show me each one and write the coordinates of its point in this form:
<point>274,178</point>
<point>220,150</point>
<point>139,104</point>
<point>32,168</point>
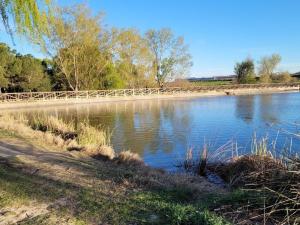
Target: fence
<point>57,95</point>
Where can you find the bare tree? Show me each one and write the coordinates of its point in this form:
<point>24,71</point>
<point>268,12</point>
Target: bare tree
<point>267,67</point>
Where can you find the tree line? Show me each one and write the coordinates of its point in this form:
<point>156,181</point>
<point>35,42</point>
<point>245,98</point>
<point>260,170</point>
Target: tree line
<point>83,55</point>
<point>266,71</point>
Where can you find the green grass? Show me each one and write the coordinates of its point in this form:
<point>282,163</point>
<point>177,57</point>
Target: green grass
<point>89,205</point>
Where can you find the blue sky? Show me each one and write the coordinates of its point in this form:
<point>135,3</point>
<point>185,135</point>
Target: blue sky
<point>218,32</point>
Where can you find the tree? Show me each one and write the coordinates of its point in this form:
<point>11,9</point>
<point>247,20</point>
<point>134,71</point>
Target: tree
<point>133,57</point>
<point>30,16</point>
<point>21,73</point>
<point>171,57</point>
<point>32,76</point>
<point>245,71</point>
<point>75,45</point>
<point>284,77</point>
<point>6,58</point>
<point>268,66</point>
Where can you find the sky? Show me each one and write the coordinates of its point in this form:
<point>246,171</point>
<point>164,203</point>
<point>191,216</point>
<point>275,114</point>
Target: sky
<point>219,33</point>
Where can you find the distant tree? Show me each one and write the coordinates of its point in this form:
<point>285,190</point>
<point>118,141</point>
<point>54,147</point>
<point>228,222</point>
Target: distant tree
<point>171,57</point>
<point>245,71</point>
<point>284,77</point>
<point>30,17</point>
<point>267,67</point>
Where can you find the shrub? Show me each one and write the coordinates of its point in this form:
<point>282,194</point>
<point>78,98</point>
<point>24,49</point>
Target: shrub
<point>284,77</point>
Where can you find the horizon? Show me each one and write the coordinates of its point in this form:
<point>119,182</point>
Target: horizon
<point>219,34</point>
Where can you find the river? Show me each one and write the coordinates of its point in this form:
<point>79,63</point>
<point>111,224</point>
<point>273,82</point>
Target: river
<point>161,131</point>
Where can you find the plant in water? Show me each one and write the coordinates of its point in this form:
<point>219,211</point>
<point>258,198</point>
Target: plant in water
<point>260,147</point>
<point>95,141</point>
<point>203,161</point>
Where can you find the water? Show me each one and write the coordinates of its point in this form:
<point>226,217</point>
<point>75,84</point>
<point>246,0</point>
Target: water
<point>162,130</point>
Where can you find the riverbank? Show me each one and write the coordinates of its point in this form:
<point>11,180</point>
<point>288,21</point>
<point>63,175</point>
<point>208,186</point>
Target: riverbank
<point>167,95</point>
<point>43,183</point>
<point>47,176</point>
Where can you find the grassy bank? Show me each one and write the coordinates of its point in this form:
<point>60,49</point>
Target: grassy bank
<point>52,173</point>
<point>44,183</point>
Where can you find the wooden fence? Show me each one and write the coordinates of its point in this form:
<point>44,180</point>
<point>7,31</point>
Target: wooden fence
<point>58,95</point>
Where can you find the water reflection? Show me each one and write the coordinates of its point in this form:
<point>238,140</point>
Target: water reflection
<point>162,130</point>
<point>245,107</point>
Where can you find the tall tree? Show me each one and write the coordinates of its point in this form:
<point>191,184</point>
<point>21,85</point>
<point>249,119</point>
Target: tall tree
<point>267,67</point>
<point>133,57</point>
<point>30,17</point>
<point>171,57</point>
<point>245,71</point>
<point>6,58</point>
<point>75,44</point>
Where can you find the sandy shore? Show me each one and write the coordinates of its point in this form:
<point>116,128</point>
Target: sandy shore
<point>59,102</point>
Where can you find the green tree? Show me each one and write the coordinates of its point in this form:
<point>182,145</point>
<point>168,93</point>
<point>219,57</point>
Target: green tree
<point>6,58</point>
<point>21,73</point>
<point>267,67</point>
<point>245,71</point>
<point>75,43</point>
<point>30,17</point>
<point>171,57</point>
<point>32,76</point>
<point>133,57</point>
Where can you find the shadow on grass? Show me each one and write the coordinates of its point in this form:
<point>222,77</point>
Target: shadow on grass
<point>94,205</point>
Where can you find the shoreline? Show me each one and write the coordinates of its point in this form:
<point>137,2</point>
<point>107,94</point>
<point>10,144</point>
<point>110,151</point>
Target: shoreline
<point>214,93</point>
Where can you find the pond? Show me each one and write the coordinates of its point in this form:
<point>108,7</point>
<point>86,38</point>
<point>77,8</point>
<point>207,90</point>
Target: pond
<point>161,131</point>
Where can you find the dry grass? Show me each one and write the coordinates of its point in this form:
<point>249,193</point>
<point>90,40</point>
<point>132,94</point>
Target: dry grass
<point>54,125</point>
<point>277,184</point>
<point>18,125</point>
<point>100,152</point>
<point>92,137</point>
<point>130,158</point>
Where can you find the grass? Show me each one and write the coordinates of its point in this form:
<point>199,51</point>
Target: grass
<point>92,137</point>
<point>271,185</point>
<point>122,190</point>
<point>100,203</point>
<point>60,189</point>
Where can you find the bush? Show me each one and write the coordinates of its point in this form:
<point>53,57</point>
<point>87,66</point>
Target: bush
<point>284,77</point>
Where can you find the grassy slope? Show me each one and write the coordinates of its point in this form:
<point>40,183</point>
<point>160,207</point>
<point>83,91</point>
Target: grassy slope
<point>74,189</point>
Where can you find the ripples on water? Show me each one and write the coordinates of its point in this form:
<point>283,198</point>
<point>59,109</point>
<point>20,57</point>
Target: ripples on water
<point>161,130</point>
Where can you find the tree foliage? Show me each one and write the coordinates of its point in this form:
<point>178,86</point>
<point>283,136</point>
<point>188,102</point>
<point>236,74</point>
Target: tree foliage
<point>30,17</point>
<point>267,66</point>
<point>75,44</point>
<point>171,57</point>
<point>21,72</point>
<point>245,71</point>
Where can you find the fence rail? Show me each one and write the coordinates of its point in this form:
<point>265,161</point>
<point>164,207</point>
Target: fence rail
<point>58,95</point>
